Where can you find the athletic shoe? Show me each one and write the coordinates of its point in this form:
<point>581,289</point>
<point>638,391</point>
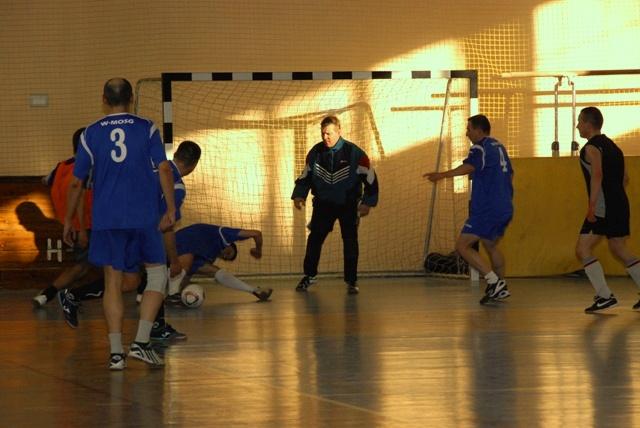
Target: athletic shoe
<point>69,307</point>
<point>602,303</point>
<point>138,298</point>
<point>146,353</point>
<point>305,283</point>
<point>352,288</point>
<point>636,307</point>
<point>117,362</point>
<point>495,291</point>
<point>263,295</point>
<point>39,301</point>
<point>174,299</point>
<point>166,333</point>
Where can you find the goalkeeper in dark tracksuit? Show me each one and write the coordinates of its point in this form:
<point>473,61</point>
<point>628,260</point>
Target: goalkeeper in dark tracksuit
<point>336,171</point>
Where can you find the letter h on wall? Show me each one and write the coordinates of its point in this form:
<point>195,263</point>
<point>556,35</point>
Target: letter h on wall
<point>57,250</point>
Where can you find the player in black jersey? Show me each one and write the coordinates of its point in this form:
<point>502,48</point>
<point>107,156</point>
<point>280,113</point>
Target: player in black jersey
<point>602,164</point>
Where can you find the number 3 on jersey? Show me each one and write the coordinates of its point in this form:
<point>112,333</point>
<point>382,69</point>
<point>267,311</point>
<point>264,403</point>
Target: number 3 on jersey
<point>117,137</point>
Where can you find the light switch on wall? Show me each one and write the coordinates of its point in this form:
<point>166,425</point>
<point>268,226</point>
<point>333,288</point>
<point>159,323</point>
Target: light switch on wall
<point>38,100</point>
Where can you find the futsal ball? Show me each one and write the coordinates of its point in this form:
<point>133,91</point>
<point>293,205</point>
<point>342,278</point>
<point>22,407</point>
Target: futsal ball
<point>193,296</point>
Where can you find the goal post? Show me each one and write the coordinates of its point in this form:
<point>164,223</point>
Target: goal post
<point>255,129</point>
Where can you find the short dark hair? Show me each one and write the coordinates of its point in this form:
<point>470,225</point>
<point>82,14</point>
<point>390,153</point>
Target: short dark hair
<point>235,251</point>
<point>76,139</point>
<point>480,121</point>
<point>329,120</point>
<point>188,153</point>
<point>593,116</point>
<point>118,92</point>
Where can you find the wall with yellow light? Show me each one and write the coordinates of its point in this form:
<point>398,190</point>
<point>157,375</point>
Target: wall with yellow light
<point>68,48</point>
<point>550,203</point>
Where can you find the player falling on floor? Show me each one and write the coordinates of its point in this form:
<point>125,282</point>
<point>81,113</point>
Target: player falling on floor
<point>491,204</point>
<point>120,152</point>
<point>185,160</point>
<point>602,164</point>
<point>199,245</point>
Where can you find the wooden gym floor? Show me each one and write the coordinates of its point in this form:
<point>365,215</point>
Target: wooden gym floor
<point>405,352</point>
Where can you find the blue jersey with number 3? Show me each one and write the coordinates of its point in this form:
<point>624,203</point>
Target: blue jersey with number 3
<point>121,151</point>
<point>492,189</point>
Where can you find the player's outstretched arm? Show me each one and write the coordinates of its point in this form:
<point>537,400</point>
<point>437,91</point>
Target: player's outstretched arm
<point>464,169</point>
<point>256,235</point>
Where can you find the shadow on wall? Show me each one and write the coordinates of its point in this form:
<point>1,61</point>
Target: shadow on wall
<point>46,231</point>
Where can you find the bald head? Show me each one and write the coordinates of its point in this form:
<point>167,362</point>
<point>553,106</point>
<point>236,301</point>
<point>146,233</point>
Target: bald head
<point>117,92</point>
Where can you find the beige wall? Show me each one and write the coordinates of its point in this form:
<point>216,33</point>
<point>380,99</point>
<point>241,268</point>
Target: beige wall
<point>67,48</point>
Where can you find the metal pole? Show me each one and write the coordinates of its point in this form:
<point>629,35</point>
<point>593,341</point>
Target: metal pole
<point>574,144</point>
<point>555,146</point>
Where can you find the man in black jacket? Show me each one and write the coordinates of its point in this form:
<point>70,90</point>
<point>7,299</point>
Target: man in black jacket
<point>335,171</point>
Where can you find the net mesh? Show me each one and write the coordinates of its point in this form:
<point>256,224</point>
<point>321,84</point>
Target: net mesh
<point>255,136</point>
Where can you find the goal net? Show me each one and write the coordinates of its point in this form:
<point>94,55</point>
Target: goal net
<point>255,135</point>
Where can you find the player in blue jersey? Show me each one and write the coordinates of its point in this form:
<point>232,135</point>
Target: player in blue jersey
<point>120,152</point>
<point>491,204</point>
<point>185,160</point>
<point>608,212</point>
<point>199,245</point>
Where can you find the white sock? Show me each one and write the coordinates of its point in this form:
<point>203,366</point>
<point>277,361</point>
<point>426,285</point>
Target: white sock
<point>594,272</point>
<point>144,331</point>
<point>115,343</point>
<point>633,269</point>
<point>491,277</point>
<point>175,282</point>
<point>230,281</point>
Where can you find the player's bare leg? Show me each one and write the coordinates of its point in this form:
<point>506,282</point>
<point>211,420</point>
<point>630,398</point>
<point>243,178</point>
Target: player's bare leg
<point>496,287</point>
<point>604,298</point>
<point>618,248</point>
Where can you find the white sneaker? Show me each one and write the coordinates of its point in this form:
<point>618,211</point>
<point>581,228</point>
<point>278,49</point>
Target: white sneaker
<point>39,301</point>
<point>138,298</point>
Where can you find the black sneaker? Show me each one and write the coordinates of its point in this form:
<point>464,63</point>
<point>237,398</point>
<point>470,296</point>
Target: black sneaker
<point>166,333</point>
<point>636,307</point>
<point>117,362</point>
<point>305,283</point>
<point>174,299</point>
<point>263,295</point>
<point>602,303</point>
<point>69,307</point>
<point>495,291</point>
<point>145,352</point>
<point>352,288</point>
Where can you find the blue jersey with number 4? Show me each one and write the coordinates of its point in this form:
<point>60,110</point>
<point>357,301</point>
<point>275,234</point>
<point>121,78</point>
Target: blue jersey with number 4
<point>492,189</point>
<point>121,151</point>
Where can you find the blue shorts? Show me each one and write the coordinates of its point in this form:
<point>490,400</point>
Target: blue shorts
<point>487,227</point>
<point>198,262</point>
<point>126,249</point>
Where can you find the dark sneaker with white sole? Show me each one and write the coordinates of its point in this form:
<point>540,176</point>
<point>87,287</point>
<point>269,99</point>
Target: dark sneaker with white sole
<point>117,362</point>
<point>495,291</point>
<point>145,352</point>
<point>305,283</point>
<point>166,333</point>
<point>602,303</point>
<point>69,306</point>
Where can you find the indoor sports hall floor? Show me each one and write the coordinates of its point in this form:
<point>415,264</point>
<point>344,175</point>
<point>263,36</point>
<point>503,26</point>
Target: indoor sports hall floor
<point>405,352</point>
